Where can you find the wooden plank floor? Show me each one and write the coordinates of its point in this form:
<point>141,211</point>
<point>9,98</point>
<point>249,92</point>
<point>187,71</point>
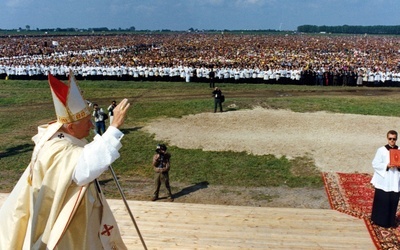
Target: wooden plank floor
<point>173,225</point>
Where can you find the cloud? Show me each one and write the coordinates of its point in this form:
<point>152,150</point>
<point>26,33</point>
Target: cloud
<point>215,2</point>
<point>206,2</point>
<point>250,3</point>
<point>17,3</point>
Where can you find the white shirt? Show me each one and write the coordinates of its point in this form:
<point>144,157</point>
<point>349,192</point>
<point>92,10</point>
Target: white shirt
<point>382,179</point>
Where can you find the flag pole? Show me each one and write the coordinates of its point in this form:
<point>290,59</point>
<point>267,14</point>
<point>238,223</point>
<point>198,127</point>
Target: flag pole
<point>127,206</point>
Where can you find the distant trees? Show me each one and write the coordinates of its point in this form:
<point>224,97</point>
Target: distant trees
<point>342,29</point>
<point>351,29</point>
<point>99,29</point>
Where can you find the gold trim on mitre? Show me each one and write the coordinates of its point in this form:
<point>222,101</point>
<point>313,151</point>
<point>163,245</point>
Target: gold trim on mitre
<point>69,104</point>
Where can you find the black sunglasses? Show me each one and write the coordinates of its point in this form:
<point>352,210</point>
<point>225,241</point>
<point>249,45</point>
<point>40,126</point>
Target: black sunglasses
<point>392,139</point>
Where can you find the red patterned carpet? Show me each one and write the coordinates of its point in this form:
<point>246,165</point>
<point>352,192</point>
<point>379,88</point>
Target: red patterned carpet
<point>352,193</point>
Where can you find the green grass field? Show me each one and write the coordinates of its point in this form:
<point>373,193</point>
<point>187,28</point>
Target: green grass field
<point>26,104</point>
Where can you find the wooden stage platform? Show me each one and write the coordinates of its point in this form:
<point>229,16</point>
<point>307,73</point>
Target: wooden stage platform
<point>173,225</point>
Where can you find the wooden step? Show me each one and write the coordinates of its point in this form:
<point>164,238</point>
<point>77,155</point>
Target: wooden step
<point>172,225</point>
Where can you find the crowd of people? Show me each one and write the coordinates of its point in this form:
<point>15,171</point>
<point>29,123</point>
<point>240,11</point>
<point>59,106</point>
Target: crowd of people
<point>319,59</point>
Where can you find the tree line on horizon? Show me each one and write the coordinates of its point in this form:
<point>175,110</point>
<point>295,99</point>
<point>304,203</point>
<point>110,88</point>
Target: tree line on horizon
<point>341,29</point>
<point>351,29</point>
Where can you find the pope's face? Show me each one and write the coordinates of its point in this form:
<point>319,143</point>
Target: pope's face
<point>81,129</point>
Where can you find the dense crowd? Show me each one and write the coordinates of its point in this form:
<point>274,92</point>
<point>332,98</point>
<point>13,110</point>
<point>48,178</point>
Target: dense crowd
<point>323,59</point>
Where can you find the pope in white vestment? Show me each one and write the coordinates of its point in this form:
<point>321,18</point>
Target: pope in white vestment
<point>58,203</point>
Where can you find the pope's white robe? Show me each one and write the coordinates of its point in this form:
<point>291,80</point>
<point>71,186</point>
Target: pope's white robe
<point>48,210</point>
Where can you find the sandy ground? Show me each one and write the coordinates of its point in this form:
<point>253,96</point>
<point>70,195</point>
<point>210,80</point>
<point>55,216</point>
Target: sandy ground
<point>337,142</point>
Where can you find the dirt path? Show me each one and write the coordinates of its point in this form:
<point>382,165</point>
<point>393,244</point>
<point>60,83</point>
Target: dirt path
<point>337,142</point>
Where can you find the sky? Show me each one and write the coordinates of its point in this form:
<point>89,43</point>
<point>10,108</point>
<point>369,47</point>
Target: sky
<point>182,15</point>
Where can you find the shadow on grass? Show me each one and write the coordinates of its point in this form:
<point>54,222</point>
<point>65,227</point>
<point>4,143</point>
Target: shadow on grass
<point>16,150</point>
<point>191,189</point>
<point>128,130</point>
<point>104,182</point>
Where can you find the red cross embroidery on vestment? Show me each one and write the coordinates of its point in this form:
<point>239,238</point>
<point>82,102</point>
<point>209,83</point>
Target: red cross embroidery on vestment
<point>107,230</point>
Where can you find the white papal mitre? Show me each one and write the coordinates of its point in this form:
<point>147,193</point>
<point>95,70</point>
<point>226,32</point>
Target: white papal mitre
<point>70,106</point>
<point>68,101</point>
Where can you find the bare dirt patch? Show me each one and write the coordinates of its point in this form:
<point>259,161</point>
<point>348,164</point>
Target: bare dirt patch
<point>337,143</point>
